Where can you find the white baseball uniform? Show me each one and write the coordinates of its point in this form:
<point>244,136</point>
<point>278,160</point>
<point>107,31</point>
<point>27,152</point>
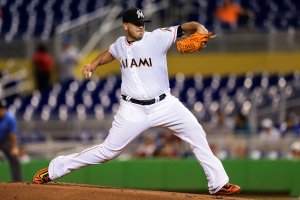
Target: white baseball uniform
<point>145,76</point>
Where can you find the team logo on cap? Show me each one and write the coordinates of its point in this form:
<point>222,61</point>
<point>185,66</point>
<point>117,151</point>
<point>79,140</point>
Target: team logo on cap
<point>140,14</point>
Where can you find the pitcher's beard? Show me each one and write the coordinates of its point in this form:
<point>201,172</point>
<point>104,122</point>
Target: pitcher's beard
<point>135,38</point>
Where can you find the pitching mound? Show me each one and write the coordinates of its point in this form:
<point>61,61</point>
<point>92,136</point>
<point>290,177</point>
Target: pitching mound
<point>57,191</point>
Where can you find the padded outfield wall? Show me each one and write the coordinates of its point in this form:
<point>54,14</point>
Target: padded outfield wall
<point>220,63</point>
<point>204,63</point>
<point>272,176</point>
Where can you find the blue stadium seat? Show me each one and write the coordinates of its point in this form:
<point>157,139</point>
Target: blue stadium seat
<point>100,96</point>
<point>46,15</point>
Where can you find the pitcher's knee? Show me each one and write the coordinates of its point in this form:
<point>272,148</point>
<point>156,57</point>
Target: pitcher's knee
<point>108,152</point>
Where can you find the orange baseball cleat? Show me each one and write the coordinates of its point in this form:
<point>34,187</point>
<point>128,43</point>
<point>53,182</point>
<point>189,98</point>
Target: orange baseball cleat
<point>41,177</point>
<point>229,189</point>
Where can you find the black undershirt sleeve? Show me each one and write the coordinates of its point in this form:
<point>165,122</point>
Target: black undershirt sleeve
<point>179,32</point>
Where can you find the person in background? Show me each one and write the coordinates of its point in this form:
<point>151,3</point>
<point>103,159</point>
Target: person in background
<point>147,148</point>
<point>269,132</point>
<point>221,123</point>
<point>67,60</point>
<point>241,125</point>
<point>269,139</point>
<point>43,66</point>
<point>295,149</point>
<point>291,125</point>
<point>240,150</point>
<point>232,15</point>
<point>8,141</point>
<point>165,145</point>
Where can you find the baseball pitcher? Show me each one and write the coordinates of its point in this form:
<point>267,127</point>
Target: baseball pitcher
<point>146,100</point>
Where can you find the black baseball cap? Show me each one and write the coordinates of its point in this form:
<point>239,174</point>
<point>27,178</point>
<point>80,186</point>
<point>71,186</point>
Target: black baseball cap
<point>134,16</point>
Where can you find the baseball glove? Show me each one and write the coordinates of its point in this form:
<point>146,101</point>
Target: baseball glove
<point>193,43</point>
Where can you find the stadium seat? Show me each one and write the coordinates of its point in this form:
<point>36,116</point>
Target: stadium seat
<point>46,15</point>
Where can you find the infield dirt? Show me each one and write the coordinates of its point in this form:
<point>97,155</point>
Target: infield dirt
<point>57,191</point>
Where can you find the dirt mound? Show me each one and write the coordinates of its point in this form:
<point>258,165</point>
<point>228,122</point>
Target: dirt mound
<point>57,191</point>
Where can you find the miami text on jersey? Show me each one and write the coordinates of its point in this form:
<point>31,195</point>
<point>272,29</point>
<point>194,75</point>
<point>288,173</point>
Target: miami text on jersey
<point>142,62</point>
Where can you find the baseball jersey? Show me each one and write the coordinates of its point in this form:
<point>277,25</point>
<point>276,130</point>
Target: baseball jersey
<point>143,63</point>
<point>7,126</point>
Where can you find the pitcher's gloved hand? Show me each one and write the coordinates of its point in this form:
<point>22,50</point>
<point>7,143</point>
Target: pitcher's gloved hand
<point>193,43</point>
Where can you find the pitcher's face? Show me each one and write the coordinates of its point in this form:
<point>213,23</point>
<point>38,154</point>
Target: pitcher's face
<point>134,32</point>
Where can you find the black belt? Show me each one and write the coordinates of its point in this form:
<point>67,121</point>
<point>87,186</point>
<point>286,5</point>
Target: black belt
<point>144,102</point>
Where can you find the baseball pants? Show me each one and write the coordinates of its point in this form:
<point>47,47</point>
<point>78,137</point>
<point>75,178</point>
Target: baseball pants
<point>130,121</point>
<point>15,168</point>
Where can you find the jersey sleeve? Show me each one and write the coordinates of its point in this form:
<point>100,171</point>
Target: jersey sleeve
<point>166,37</point>
<point>113,50</point>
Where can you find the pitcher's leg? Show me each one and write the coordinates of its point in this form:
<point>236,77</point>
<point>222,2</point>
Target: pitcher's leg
<point>212,166</point>
<point>182,121</point>
<point>128,123</point>
<point>63,165</point>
